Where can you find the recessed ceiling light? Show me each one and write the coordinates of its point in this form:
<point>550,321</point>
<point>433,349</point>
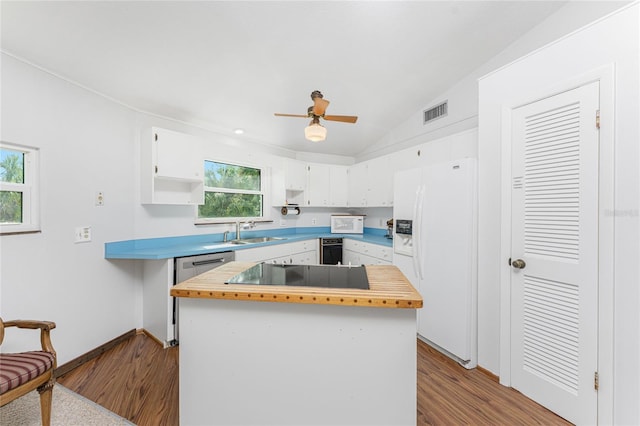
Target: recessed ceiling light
<point>238,131</point>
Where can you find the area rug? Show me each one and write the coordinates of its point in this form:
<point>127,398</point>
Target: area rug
<point>68,409</point>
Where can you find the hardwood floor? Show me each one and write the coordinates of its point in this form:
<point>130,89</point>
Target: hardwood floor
<point>139,380</point>
<point>449,394</point>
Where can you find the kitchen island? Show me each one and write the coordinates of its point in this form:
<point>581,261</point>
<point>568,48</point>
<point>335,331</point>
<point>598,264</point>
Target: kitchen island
<point>305,355</point>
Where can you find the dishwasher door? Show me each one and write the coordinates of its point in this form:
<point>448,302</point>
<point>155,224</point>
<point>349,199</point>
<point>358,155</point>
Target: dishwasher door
<point>190,266</point>
<point>187,267</point>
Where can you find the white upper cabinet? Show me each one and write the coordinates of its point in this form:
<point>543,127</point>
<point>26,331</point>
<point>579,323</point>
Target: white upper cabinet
<point>295,176</point>
<point>380,182</point>
<point>172,168</point>
<point>358,186</point>
<point>326,185</point>
<point>368,183</point>
<point>289,183</point>
<point>339,186</point>
<point>371,183</point>
<point>176,156</point>
<point>319,188</point>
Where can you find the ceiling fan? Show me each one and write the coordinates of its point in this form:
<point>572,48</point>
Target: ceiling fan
<point>315,131</point>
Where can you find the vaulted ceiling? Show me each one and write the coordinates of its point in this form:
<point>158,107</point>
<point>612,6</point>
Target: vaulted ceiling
<point>225,65</point>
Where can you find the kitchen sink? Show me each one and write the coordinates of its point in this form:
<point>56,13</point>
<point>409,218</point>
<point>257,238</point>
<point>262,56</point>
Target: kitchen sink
<point>256,240</point>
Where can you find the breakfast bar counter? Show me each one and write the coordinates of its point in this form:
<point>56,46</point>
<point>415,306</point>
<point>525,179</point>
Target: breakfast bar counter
<point>297,355</point>
<point>388,289</point>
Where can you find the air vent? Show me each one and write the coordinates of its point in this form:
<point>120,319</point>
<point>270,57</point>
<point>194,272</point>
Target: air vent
<point>435,112</point>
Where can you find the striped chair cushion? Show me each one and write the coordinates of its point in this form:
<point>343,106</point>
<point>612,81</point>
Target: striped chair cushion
<point>17,369</point>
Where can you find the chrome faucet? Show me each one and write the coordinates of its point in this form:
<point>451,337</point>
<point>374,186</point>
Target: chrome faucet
<point>225,238</point>
<point>247,225</point>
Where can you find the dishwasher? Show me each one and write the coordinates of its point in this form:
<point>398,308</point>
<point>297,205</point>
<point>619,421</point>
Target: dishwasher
<point>190,266</point>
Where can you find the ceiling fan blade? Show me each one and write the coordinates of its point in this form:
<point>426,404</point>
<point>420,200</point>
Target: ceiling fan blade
<point>342,118</point>
<point>290,115</point>
<point>319,106</point>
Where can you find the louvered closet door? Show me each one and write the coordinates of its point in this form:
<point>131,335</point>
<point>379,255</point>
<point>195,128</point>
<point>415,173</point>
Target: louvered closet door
<point>554,305</point>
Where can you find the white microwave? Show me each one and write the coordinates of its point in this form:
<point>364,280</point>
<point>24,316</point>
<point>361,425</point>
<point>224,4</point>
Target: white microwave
<point>343,224</point>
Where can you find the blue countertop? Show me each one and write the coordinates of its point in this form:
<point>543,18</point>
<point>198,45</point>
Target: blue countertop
<point>189,245</point>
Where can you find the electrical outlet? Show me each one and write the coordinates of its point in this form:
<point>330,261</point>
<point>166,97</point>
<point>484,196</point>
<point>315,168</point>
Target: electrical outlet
<point>313,221</point>
<point>83,234</point>
<point>100,198</point>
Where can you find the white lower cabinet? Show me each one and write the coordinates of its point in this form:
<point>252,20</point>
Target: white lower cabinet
<point>350,257</point>
<point>362,253</point>
<point>257,254</point>
<point>300,252</point>
<point>157,309</point>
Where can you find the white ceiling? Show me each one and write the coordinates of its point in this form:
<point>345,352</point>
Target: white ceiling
<point>232,64</point>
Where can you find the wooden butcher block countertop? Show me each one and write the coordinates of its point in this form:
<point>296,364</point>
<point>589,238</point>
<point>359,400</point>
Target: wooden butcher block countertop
<point>388,288</point>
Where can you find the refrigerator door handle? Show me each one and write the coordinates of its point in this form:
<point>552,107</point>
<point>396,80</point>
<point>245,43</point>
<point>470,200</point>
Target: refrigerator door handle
<point>417,243</point>
<point>414,236</point>
<point>417,233</point>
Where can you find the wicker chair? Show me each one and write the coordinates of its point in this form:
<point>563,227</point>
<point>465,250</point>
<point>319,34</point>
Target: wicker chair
<point>20,373</point>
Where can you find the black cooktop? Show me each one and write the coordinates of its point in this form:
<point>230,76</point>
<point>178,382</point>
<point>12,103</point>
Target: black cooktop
<point>330,276</point>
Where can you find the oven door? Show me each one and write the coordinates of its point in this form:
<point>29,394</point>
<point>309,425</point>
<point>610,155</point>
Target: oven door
<point>331,251</point>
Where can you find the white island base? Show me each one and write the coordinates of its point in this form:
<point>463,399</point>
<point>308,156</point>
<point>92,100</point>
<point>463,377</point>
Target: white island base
<point>252,363</point>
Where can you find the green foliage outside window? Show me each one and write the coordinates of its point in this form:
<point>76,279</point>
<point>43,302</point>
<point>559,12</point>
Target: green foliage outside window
<point>11,171</point>
<point>231,191</point>
<point>218,204</point>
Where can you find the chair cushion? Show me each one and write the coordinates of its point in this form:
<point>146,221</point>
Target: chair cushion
<point>17,369</point>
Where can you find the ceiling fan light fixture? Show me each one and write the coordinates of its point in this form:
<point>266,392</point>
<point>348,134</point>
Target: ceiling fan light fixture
<point>315,132</point>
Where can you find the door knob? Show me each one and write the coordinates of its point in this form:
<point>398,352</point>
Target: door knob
<point>518,264</point>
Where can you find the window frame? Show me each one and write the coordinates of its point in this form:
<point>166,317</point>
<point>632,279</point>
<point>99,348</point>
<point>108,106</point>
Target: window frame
<point>30,190</point>
<point>265,185</point>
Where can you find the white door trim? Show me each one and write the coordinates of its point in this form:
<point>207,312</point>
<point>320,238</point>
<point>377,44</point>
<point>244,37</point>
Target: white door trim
<point>605,75</point>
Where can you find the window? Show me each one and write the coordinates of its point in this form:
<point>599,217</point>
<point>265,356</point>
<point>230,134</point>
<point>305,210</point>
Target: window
<point>18,189</point>
<point>231,192</point>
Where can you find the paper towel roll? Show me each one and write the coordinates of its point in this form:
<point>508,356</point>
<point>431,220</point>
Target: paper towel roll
<point>290,211</point>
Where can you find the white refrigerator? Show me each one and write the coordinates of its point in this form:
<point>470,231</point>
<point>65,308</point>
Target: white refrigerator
<point>435,240</point>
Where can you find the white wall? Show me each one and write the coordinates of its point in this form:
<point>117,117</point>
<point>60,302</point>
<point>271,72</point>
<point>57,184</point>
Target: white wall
<point>611,41</point>
<point>463,97</point>
<point>85,143</point>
